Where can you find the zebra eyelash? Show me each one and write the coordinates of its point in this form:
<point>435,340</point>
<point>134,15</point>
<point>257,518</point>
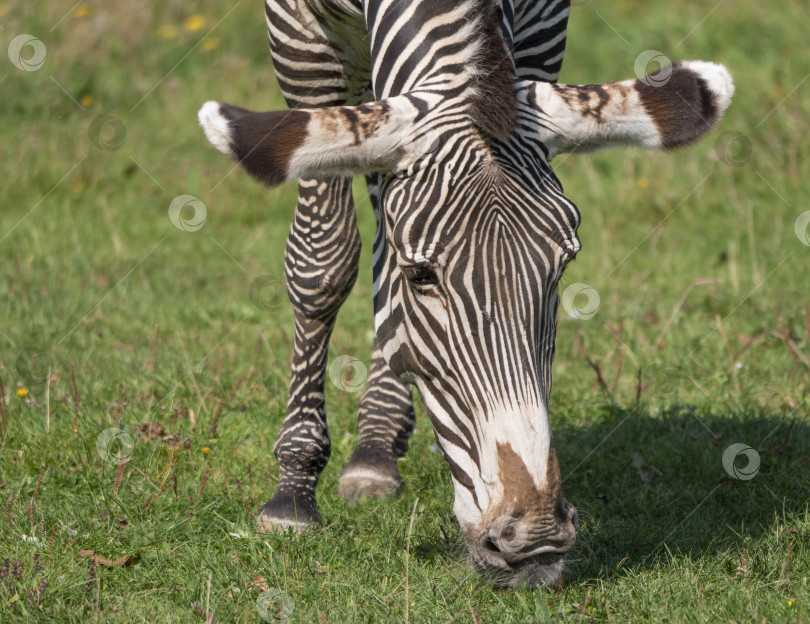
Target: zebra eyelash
<point>422,277</point>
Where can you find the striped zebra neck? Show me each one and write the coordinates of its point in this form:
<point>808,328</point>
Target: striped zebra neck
<point>458,51</point>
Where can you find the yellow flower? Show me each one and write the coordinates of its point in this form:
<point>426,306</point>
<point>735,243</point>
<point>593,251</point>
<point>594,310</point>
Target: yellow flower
<point>205,450</point>
<point>790,603</point>
<point>643,183</point>
<point>22,392</point>
<point>167,31</point>
<point>194,22</point>
<point>82,10</point>
<point>210,43</point>
<point>86,100</point>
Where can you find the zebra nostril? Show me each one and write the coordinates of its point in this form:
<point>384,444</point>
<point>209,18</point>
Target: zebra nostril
<point>500,551</point>
<point>491,553</point>
<point>508,536</point>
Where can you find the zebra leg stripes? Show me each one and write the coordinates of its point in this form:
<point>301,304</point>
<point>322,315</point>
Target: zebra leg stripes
<point>323,251</point>
<point>385,418</point>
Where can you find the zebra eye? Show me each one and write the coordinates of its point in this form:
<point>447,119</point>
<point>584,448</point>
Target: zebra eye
<point>421,276</point>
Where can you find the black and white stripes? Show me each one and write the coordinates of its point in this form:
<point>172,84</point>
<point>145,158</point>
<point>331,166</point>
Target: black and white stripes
<point>451,109</point>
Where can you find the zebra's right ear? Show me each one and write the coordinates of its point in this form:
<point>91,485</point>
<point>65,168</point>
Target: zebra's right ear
<point>300,143</point>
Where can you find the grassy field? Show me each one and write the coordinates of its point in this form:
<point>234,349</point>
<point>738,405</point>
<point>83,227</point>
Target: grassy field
<point>112,317</point>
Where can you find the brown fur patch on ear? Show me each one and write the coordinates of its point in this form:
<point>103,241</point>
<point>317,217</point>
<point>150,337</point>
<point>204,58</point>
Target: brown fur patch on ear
<point>495,105</point>
<point>264,143</point>
<point>683,109</point>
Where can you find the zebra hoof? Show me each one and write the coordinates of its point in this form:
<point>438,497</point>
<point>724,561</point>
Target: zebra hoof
<point>285,511</point>
<point>359,483</point>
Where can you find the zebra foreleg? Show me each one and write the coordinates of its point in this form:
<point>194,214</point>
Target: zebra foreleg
<point>323,251</point>
<point>385,420</point>
<point>385,417</point>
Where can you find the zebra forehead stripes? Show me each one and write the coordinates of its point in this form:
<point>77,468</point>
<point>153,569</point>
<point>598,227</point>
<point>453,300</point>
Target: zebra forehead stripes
<point>473,234</point>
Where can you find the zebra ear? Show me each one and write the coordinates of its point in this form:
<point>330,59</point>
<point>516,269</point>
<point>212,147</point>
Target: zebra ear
<point>299,143</point>
<point>669,108</point>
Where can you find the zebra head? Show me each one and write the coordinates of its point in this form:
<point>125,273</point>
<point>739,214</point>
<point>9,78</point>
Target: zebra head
<point>475,233</point>
<point>466,309</point>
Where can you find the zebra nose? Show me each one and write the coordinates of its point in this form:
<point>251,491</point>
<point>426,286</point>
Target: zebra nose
<point>507,541</point>
<point>511,540</point>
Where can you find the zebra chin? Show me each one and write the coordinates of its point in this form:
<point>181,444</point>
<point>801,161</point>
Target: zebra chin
<point>541,571</point>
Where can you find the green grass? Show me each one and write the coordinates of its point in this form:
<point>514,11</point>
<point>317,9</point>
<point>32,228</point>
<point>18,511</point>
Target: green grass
<point>153,321</point>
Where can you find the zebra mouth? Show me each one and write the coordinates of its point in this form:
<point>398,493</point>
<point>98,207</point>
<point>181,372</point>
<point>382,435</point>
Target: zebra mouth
<point>537,571</point>
<point>541,568</point>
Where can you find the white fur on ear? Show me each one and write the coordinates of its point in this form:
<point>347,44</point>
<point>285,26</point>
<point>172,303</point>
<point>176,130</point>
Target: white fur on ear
<point>217,128</point>
<point>717,78</point>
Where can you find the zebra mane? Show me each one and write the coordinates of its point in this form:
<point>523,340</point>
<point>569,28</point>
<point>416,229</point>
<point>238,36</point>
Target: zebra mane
<point>494,103</point>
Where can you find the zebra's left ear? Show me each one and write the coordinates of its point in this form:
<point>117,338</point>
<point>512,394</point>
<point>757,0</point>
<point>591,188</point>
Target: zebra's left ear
<point>672,107</point>
<point>299,143</point>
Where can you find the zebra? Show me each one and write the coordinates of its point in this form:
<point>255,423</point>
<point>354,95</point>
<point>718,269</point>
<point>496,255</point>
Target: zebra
<point>452,111</point>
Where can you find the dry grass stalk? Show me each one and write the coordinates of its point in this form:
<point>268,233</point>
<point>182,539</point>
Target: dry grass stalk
<point>119,475</point>
<point>48,402</point>
<point>659,341</point>
<point>30,515</point>
<point>242,497</point>
<point>76,400</point>
<point>731,358</point>
<point>3,421</point>
<point>8,512</point>
<point>204,481</point>
<point>407,563</point>
<point>212,431</point>
<point>42,474</point>
<point>225,480</point>
<point>152,500</point>
<point>639,387</point>
<point>600,379</point>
